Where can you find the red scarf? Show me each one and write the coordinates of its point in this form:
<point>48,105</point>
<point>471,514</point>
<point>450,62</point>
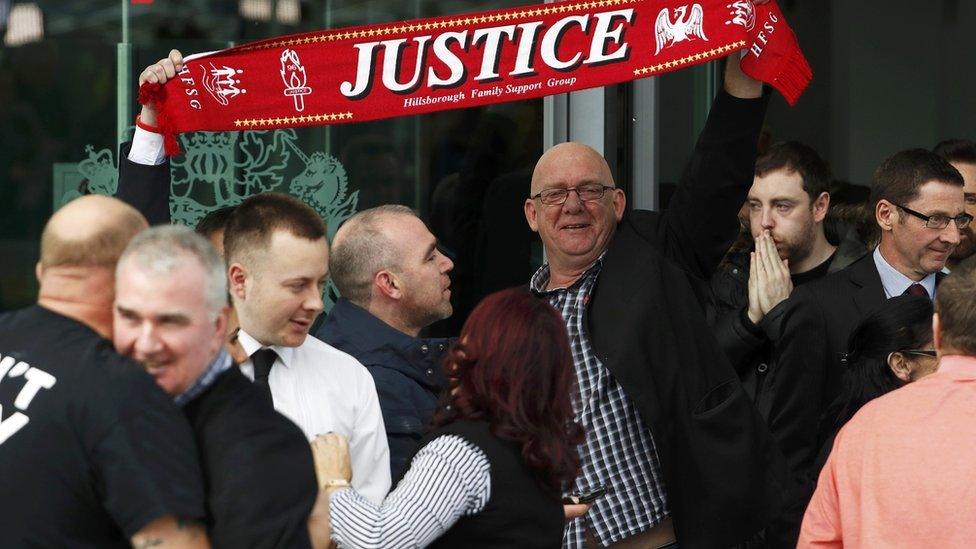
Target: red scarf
<point>366,73</point>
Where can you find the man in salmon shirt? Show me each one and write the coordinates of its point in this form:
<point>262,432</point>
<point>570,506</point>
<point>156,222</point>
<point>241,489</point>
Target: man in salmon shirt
<point>901,471</point>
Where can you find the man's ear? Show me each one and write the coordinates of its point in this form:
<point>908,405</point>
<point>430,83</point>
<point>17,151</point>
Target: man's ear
<point>820,207</point>
<point>900,367</point>
<point>619,203</point>
<point>885,215</point>
<point>530,214</point>
<point>388,284</point>
<point>39,271</point>
<point>237,280</point>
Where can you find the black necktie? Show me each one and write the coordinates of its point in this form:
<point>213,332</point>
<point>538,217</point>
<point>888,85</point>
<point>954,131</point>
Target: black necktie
<point>263,359</point>
<point>916,290</point>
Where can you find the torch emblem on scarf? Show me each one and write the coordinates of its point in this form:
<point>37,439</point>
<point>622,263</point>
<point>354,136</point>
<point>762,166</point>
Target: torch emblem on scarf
<point>293,75</point>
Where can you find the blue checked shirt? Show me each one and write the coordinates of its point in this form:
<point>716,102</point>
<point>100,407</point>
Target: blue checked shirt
<point>219,365</point>
<point>619,450</point>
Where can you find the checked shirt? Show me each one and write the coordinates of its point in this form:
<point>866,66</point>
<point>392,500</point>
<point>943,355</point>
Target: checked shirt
<point>619,450</point>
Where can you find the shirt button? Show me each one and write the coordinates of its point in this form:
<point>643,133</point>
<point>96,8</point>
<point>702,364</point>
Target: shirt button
<point>440,346</point>
<point>735,271</point>
<point>762,368</point>
<point>424,348</point>
<point>430,371</point>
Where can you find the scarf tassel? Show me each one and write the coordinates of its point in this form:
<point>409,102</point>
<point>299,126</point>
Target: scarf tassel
<point>154,94</point>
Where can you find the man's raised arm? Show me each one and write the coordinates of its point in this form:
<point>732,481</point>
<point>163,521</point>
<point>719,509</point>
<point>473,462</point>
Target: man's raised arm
<point>144,179</point>
<point>701,221</point>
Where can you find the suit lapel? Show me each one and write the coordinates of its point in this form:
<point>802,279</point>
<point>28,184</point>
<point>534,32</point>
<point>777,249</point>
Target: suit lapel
<point>869,292</point>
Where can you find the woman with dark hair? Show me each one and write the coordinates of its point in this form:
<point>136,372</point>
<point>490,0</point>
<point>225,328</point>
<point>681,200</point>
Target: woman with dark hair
<point>889,348</point>
<point>490,473</point>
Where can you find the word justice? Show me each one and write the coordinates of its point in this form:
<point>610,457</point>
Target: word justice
<point>604,30</point>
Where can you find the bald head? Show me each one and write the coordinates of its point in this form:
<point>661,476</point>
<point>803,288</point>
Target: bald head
<point>91,231</point>
<point>566,160</point>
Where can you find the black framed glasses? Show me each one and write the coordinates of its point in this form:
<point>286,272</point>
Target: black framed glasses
<point>923,352</point>
<point>586,193</point>
<point>939,221</point>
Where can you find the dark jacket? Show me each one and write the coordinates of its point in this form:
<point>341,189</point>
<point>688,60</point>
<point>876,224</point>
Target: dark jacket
<point>723,472</point>
<point>145,188</point>
<point>748,345</point>
<point>257,467</point>
<point>406,370</point>
<point>817,321</point>
<point>750,348</point>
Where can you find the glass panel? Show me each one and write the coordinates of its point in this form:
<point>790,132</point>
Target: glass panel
<point>57,95</point>
<point>465,171</point>
<point>684,98</point>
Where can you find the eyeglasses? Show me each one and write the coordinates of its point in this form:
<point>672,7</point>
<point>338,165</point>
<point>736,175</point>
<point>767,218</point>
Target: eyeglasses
<point>586,193</point>
<point>939,221</point>
<point>924,352</point>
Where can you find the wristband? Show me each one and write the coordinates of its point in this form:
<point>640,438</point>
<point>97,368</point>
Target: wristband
<point>336,483</point>
<point>147,127</point>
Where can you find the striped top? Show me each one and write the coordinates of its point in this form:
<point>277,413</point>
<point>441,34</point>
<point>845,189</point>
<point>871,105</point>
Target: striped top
<point>448,478</point>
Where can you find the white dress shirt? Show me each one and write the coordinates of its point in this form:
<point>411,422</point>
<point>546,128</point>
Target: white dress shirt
<point>323,389</point>
<point>894,282</point>
<point>147,148</point>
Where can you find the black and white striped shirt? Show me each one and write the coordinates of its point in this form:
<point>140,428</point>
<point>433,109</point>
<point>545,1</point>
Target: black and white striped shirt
<point>448,478</point>
<point>619,450</point>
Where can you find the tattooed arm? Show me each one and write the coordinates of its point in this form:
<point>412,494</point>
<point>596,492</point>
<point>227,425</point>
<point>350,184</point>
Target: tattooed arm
<point>170,531</point>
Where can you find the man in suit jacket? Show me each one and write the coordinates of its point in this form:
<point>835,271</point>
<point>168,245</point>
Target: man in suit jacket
<point>686,454</point>
<point>906,189</point>
<point>170,315</point>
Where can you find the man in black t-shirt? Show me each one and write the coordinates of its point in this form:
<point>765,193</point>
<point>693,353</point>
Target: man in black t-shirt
<point>92,453</point>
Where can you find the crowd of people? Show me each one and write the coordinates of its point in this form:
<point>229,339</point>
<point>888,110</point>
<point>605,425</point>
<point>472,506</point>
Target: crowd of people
<point>655,384</point>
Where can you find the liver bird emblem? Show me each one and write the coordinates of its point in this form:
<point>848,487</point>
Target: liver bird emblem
<point>686,26</point>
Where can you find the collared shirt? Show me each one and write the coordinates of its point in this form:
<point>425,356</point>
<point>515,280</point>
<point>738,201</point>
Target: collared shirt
<point>901,471</point>
<point>896,283</point>
<point>619,451</point>
<point>220,364</point>
<point>325,390</point>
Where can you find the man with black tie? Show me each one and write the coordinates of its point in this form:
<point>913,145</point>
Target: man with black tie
<point>278,261</point>
<point>919,207</point>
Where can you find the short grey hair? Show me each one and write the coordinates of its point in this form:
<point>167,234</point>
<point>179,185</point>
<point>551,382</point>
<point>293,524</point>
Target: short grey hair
<point>161,249</point>
<point>363,250</point>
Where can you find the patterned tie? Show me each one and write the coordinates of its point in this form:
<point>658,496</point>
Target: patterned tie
<point>263,359</point>
<point>916,290</point>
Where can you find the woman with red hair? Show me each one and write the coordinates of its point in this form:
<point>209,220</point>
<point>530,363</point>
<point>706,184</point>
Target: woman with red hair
<point>503,446</point>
